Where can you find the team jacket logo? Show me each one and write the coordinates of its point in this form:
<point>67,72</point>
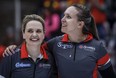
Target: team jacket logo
<point>64,46</point>
<point>18,65</point>
<point>88,48</point>
<point>44,65</point>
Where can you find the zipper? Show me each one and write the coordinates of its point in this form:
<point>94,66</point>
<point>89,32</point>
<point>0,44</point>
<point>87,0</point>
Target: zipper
<point>35,64</point>
<point>34,70</point>
<point>74,51</point>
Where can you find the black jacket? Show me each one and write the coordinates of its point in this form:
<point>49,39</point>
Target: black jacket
<point>80,60</point>
<point>20,65</point>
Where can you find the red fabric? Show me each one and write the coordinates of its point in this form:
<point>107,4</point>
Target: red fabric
<point>99,16</point>
<point>24,53</point>
<point>95,72</point>
<point>103,60</point>
<point>44,52</point>
<point>65,38</point>
<point>2,48</point>
<point>89,37</point>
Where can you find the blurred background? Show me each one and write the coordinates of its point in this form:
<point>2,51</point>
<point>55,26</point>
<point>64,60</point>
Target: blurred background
<point>13,11</point>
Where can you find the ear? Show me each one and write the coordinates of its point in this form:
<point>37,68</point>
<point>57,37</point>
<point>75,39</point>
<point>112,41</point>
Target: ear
<point>81,24</point>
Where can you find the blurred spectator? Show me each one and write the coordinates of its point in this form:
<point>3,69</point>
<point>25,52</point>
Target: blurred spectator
<point>98,9</point>
<point>111,17</point>
<point>52,22</point>
<point>111,12</point>
<point>7,39</point>
<point>9,36</point>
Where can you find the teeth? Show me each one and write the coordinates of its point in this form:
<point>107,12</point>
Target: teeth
<point>34,39</point>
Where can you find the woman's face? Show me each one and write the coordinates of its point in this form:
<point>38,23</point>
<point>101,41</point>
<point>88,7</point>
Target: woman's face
<point>69,21</point>
<point>34,34</point>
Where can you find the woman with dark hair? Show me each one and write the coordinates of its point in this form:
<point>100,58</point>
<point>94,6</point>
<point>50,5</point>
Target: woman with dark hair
<point>79,53</point>
<point>79,50</point>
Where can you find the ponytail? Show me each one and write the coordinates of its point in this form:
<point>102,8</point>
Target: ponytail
<point>85,15</point>
<point>92,29</point>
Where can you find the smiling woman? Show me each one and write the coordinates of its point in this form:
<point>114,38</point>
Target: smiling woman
<point>30,59</point>
<point>34,33</point>
<point>79,50</point>
<point>79,53</point>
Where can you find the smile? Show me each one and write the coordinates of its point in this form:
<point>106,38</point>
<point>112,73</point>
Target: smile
<point>33,39</point>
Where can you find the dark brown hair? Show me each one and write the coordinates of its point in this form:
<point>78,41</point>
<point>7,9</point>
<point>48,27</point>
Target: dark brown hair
<point>85,15</point>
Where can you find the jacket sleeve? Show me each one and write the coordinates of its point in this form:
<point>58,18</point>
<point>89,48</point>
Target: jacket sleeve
<point>49,45</point>
<point>5,67</point>
<point>104,63</point>
<point>108,73</point>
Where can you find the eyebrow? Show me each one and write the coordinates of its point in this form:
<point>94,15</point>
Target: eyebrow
<point>66,14</point>
<point>32,29</point>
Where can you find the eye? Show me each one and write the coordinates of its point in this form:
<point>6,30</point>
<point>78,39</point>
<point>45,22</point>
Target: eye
<point>39,31</point>
<point>68,16</point>
<point>30,31</point>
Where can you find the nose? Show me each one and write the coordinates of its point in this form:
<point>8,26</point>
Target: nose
<point>34,34</point>
<point>63,19</point>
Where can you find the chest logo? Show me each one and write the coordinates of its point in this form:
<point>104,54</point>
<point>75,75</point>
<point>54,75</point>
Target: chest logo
<point>44,65</point>
<point>18,65</point>
<point>64,46</point>
<point>88,48</point>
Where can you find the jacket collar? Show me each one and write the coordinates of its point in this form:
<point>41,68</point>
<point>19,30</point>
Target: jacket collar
<point>24,52</point>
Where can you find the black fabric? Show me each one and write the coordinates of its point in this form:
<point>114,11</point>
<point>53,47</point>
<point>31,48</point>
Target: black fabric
<point>77,60</point>
<point>15,67</point>
<point>108,73</point>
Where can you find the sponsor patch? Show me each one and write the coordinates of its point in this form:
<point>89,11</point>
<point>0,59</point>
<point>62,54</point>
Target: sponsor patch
<point>88,48</point>
<point>44,65</point>
<point>19,65</point>
<point>64,46</point>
